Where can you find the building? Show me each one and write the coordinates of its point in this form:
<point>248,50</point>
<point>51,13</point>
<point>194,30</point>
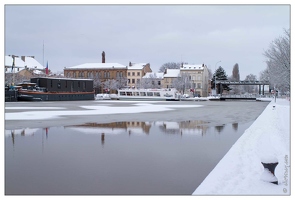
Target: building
<point>24,68</point>
<point>152,80</point>
<point>198,77</point>
<point>102,73</point>
<point>135,73</point>
<point>170,75</point>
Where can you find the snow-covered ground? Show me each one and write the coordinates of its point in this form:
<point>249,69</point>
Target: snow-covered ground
<point>240,172</point>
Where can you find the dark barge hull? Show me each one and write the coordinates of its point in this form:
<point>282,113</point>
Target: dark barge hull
<point>48,96</point>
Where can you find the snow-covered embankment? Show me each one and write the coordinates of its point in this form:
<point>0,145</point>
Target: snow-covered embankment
<point>240,172</point>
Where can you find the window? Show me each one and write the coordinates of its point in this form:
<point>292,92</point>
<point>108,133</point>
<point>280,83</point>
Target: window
<point>78,83</point>
<point>150,94</point>
<point>133,80</point>
<point>159,82</point>
<point>199,85</point>
<point>199,78</point>
<point>58,85</point>
<point>138,73</point>
<point>128,73</point>
<point>137,80</point>
<point>128,81</point>
<point>133,73</point>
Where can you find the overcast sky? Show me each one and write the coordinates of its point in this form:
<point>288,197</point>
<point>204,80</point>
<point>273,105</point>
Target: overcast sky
<point>155,34</point>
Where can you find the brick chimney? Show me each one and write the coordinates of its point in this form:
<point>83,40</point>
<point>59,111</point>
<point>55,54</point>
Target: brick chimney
<point>103,57</point>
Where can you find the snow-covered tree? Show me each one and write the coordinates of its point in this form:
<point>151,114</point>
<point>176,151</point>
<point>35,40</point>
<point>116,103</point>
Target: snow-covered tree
<point>278,62</point>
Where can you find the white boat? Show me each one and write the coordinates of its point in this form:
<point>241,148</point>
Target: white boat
<point>169,94</point>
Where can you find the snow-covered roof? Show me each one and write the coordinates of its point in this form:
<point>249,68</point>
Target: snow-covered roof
<point>172,73</point>
<point>158,75</point>
<point>192,67</point>
<point>30,62</point>
<point>137,66</point>
<point>18,62</point>
<point>98,66</point>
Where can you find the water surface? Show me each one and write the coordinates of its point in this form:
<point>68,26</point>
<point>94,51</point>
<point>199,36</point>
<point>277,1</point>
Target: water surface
<point>116,158</point>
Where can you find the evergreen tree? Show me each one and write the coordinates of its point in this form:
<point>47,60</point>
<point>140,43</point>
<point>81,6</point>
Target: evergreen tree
<point>220,75</point>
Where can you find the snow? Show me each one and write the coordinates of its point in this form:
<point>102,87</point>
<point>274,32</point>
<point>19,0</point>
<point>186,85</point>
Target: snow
<point>137,66</point>
<point>158,75</point>
<point>91,110</point>
<point>172,73</point>
<point>98,66</point>
<point>240,171</point>
<point>192,67</point>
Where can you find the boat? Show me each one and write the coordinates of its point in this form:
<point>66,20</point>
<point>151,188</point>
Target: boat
<point>56,89</point>
<point>169,94</point>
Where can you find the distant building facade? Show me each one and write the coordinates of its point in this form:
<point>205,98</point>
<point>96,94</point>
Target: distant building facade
<point>135,73</point>
<point>170,75</point>
<point>99,72</point>
<point>198,77</point>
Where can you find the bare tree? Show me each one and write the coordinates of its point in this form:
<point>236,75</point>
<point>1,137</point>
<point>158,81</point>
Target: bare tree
<point>278,62</point>
<point>250,88</point>
<point>169,65</point>
<point>182,83</point>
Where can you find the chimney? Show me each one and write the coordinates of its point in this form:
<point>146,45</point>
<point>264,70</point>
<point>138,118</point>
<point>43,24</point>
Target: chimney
<point>103,57</point>
<point>23,58</point>
<point>130,64</point>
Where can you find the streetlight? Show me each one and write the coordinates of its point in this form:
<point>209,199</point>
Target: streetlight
<point>215,78</point>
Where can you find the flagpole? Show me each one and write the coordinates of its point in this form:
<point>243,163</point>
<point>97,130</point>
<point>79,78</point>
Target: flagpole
<point>43,53</point>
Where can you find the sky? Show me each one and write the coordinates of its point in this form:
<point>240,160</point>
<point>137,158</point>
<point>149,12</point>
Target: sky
<point>69,35</point>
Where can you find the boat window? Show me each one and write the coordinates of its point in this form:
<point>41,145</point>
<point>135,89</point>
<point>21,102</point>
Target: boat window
<point>129,93</point>
<point>142,94</point>
<point>157,94</point>
<point>149,93</point>
<point>122,93</point>
<point>136,93</point>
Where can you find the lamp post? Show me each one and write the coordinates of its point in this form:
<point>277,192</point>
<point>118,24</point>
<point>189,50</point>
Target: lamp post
<point>215,78</point>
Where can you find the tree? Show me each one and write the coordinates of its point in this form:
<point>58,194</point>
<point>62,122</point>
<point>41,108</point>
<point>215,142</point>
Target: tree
<point>169,65</point>
<point>220,74</point>
<point>278,62</point>
<point>236,73</point>
<point>235,77</point>
<point>182,82</point>
<point>250,88</point>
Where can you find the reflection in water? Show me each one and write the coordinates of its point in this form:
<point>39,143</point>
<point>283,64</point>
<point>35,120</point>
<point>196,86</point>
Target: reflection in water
<point>235,126</point>
<point>219,128</point>
<point>130,158</point>
<point>196,127</point>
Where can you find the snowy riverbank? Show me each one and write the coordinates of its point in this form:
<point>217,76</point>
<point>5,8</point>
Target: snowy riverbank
<point>240,171</point>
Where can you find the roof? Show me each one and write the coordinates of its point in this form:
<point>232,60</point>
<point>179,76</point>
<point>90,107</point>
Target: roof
<point>98,66</point>
<point>137,66</point>
<point>18,62</point>
<point>30,63</point>
<point>192,67</point>
<point>172,73</point>
<point>158,75</point>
